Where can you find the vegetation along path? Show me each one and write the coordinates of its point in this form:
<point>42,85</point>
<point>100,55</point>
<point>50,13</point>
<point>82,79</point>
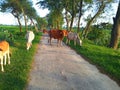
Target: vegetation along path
<point>61,68</point>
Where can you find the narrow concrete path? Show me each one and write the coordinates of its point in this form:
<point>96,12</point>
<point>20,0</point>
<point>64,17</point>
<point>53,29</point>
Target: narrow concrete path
<point>61,68</point>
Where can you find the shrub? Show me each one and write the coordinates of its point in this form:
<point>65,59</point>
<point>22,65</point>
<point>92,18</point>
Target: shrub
<point>99,37</point>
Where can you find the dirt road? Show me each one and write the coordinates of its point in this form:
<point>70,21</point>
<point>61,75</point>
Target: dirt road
<point>61,68</point>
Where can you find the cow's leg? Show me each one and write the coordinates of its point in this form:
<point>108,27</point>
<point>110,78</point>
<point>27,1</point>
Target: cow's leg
<point>2,69</point>
<point>28,46</point>
<point>66,41</point>
<point>5,59</point>
<point>60,42</point>
<point>31,44</point>
<point>50,41</point>
<point>8,55</point>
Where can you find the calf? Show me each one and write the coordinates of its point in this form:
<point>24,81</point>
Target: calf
<point>29,37</point>
<point>56,34</point>
<point>75,37</point>
<point>4,53</point>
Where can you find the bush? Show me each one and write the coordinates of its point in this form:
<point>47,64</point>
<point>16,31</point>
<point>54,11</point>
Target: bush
<point>99,37</point>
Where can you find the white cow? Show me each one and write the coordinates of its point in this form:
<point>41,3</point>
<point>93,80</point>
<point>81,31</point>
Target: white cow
<point>4,53</point>
<point>29,37</point>
<point>75,37</point>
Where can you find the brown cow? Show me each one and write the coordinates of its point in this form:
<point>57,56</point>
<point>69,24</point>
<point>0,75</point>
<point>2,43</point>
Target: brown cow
<point>57,34</point>
<point>45,31</point>
<point>65,32</point>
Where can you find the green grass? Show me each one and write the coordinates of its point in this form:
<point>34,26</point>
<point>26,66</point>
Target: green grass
<point>16,74</point>
<point>106,59</point>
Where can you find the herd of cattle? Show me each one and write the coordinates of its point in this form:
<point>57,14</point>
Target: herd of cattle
<point>56,34</point>
<point>60,34</point>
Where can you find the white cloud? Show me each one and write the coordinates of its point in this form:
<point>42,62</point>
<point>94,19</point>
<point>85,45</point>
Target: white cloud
<point>7,18</point>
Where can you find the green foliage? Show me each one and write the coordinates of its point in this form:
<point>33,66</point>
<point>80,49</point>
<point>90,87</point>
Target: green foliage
<point>107,59</point>
<point>42,22</point>
<point>55,19</point>
<point>99,36</point>
<point>6,33</point>
<point>16,74</point>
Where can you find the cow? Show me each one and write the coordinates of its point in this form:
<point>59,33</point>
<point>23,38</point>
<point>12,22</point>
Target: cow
<point>29,37</point>
<point>65,32</point>
<point>4,53</point>
<point>45,31</point>
<point>56,34</point>
<point>75,37</point>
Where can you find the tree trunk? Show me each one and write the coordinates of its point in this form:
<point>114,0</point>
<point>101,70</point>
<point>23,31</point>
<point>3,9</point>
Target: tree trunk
<point>34,25</point>
<point>80,14</point>
<point>115,33</point>
<point>72,14</point>
<point>24,19</point>
<point>71,23</point>
<point>66,18</point>
<point>20,25</point>
<point>86,30</point>
<point>16,15</point>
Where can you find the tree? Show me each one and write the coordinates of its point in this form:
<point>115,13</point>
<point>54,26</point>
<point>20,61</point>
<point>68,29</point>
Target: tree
<point>42,23</point>
<point>32,15</point>
<point>55,17</point>
<point>80,5</point>
<point>56,8</point>
<point>24,5</point>
<point>67,15</point>
<point>101,6</point>
<point>74,9</point>
<point>13,8</point>
<point>115,33</point>
<point>71,8</point>
<point>18,8</point>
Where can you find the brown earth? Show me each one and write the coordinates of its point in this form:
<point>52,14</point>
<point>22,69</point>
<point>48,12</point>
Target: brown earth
<point>61,68</point>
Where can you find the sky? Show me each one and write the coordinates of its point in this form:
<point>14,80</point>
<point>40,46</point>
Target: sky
<point>8,19</point>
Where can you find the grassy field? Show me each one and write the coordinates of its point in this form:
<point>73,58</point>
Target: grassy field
<point>107,60</point>
<point>16,74</point>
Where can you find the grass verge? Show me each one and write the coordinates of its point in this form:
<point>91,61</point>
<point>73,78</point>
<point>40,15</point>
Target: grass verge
<point>16,74</point>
